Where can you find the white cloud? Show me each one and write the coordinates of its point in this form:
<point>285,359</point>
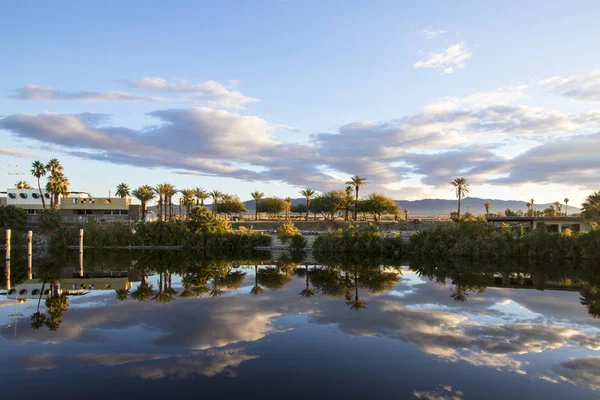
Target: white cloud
<point>14,153</point>
<point>41,93</point>
<point>212,91</point>
<point>446,61</point>
<point>583,87</point>
<point>430,34</point>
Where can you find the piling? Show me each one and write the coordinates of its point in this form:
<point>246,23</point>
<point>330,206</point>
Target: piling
<point>29,255</point>
<point>7,259</point>
<point>81,252</point>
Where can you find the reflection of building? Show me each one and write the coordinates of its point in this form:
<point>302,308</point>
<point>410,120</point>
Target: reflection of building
<point>76,206</point>
<point>30,289</point>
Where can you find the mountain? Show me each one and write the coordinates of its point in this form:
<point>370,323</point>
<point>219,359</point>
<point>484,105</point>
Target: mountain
<point>474,205</point>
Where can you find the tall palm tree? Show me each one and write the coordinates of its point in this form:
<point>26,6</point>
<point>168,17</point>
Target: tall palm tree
<point>215,195</point>
<point>288,207</point>
<point>160,191</point>
<point>57,185</point>
<point>406,210</point>
<point>144,194</point>
<point>566,200</point>
<point>54,166</point>
<point>123,190</point>
<point>200,195</point>
<point>39,170</point>
<point>532,207</point>
<point>23,185</point>
<point>357,182</point>
<point>558,207</point>
<point>591,207</point>
<point>170,191</point>
<point>256,196</point>
<point>188,196</point>
<point>461,187</point>
<point>308,194</point>
<point>487,205</point>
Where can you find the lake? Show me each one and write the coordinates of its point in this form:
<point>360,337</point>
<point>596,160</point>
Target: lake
<point>264,327</point>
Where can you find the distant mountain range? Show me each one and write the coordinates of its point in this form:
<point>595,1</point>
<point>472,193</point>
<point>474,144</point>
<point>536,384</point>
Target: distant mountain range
<point>440,206</point>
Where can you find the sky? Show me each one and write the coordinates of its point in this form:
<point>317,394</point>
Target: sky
<point>280,95</point>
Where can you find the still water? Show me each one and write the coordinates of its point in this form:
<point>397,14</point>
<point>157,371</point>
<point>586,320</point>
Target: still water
<point>298,329</point>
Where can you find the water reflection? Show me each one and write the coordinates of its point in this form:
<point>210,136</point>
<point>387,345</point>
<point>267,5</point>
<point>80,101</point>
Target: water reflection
<point>188,317</point>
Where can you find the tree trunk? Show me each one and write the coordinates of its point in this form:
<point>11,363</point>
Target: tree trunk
<point>356,205</point>
<point>307,206</point>
<point>41,195</point>
<point>459,195</point>
<point>256,212</point>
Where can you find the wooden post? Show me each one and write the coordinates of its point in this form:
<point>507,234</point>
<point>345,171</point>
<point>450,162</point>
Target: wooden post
<point>29,255</point>
<point>7,260</point>
<point>81,252</point>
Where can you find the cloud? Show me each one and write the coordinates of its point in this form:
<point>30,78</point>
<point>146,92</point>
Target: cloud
<point>583,87</point>
<point>212,91</point>
<point>14,153</point>
<point>41,93</point>
<point>446,61</point>
<point>429,34</point>
<point>443,393</point>
<point>580,371</point>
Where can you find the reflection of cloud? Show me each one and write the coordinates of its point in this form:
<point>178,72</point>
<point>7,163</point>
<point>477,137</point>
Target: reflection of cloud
<point>149,366</point>
<point>443,393</point>
<point>207,363</point>
<point>580,371</point>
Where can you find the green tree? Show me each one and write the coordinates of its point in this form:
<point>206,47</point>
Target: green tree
<point>272,205</point>
<point>231,205</point>
<point>13,218</point>
<point>357,182</point>
<point>461,187</point>
<point>256,196</point>
<point>288,207</point>
<point>406,210</point>
<point>487,205</point>
<point>591,207</point>
<point>160,190</point>
<point>378,204</point>
<point>558,207</point>
<point>170,191</point>
<point>308,194</point>
<point>57,185</point>
<point>188,196</point>
<point>123,190</point>
<point>329,204</point>
<point>38,170</point>
<point>50,220</point>
<point>144,194</point>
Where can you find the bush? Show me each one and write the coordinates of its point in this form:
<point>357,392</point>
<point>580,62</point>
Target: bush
<point>50,220</point>
<point>287,231</point>
<point>367,241</point>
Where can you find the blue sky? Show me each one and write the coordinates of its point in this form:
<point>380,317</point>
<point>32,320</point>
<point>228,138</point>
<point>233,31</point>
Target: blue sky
<point>280,95</point>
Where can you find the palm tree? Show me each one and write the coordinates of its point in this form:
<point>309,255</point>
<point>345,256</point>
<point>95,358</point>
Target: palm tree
<point>591,207</point>
<point>487,205</point>
<point>532,208</point>
<point>200,195</point>
<point>54,166</point>
<point>566,200</point>
<point>288,207</point>
<point>357,182</point>
<point>216,195</point>
<point>160,191</point>
<point>170,191</point>
<point>308,194</point>
<point>58,185</point>
<point>461,187</point>
<point>23,185</point>
<point>558,207</point>
<point>406,213</point>
<point>528,204</point>
<point>39,170</point>
<point>188,199</point>
<point>144,194</point>
<point>256,196</point>
<point>123,190</point>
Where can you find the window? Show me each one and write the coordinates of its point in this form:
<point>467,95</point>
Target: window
<point>23,195</point>
<point>107,212</point>
<point>35,195</point>
<point>124,212</point>
<point>47,195</point>
<point>12,195</point>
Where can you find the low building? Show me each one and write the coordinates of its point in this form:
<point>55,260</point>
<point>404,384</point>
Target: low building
<point>551,224</point>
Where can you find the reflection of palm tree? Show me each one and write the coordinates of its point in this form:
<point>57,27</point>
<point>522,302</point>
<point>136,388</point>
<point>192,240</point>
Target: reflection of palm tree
<point>590,297</point>
<point>272,278</point>
<point>256,289</point>
<point>122,294</point>
<point>355,303</point>
<point>144,291</point>
<point>459,293</point>
<point>307,292</point>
